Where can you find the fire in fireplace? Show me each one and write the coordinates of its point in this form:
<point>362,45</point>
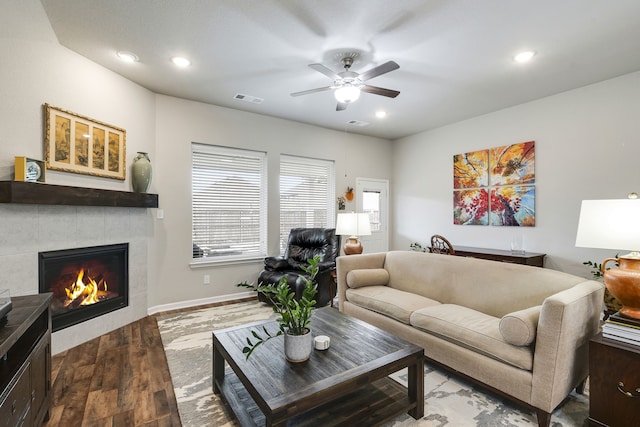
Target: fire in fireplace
<point>85,282</point>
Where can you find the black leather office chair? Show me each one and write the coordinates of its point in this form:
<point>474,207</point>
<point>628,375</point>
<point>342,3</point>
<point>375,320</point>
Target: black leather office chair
<point>303,244</point>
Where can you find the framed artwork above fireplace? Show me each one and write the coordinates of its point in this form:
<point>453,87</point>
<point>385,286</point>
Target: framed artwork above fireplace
<point>79,144</point>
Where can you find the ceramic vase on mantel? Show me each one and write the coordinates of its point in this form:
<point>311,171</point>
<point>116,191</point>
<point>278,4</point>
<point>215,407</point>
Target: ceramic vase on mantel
<point>141,172</point>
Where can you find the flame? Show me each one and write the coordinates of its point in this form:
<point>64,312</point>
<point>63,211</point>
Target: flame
<point>87,293</point>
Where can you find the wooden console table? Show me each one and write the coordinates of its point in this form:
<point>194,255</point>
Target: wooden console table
<point>528,258</point>
<point>25,362</point>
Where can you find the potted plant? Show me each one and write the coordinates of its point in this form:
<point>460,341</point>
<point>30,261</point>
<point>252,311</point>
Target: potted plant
<point>295,315</point>
<point>611,303</point>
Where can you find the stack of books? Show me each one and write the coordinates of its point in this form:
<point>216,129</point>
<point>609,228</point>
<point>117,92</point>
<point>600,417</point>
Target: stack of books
<point>618,327</point>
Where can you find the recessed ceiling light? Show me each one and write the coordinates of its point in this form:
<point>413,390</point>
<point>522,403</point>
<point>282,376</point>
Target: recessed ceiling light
<point>180,61</point>
<point>524,56</point>
<point>381,114</point>
<point>127,56</point>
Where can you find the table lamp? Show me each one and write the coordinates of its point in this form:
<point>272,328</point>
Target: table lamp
<point>353,225</point>
<point>615,224</point>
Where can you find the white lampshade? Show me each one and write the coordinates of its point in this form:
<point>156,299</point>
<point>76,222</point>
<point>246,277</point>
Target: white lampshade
<point>347,94</point>
<point>609,224</point>
<point>353,224</point>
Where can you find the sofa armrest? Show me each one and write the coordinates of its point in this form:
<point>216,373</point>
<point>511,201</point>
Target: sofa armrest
<point>346,263</point>
<point>568,320</point>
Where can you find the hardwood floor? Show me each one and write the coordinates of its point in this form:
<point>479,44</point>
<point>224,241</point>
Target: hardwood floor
<point>119,379</point>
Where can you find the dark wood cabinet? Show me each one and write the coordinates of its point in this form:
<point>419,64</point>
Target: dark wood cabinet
<point>614,383</point>
<point>527,258</point>
<point>25,362</point>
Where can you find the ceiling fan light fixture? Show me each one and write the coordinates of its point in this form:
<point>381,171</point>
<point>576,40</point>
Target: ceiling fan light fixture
<point>347,94</point>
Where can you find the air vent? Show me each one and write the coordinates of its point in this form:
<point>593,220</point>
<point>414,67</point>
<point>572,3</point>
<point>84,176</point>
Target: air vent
<point>248,98</point>
<point>357,123</point>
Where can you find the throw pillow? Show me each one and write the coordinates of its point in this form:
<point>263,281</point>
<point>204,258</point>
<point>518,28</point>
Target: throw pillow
<point>519,328</point>
<point>367,277</point>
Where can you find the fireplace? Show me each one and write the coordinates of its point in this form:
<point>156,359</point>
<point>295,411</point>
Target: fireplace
<point>85,282</point>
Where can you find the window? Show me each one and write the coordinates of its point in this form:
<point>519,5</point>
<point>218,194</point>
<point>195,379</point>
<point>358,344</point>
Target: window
<point>307,195</point>
<point>229,203</point>
<point>371,205</point>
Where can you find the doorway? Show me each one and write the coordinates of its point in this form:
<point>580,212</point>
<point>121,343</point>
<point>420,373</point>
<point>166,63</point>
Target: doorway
<point>372,197</point>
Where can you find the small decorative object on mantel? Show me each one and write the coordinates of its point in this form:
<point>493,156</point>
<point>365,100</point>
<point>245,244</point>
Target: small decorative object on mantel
<point>141,172</point>
<point>349,194</point>
<point>79,144</point>
<point>29,170</point>
<point>295,315</point>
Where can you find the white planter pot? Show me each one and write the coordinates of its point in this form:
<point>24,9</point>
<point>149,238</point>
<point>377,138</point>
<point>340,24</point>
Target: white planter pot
<point>297,348</point>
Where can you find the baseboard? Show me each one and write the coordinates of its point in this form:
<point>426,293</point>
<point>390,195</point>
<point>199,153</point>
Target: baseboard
<point>197,302</point>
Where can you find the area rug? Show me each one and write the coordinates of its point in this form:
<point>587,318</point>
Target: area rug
<point>449,401</point>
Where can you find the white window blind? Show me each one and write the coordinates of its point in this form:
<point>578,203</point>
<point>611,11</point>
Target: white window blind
<point>229,203</point>
<point>307,195</point>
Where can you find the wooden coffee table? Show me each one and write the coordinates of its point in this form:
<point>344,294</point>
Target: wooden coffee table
<point>346,384</point>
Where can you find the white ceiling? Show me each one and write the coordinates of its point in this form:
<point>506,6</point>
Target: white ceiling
<point>455,56</point>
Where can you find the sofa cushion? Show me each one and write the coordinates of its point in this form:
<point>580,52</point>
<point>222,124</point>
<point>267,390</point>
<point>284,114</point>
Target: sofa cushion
<point>471,329</point>
<point>367,277</point>
<point>388,301</point>
<point>519,327</point>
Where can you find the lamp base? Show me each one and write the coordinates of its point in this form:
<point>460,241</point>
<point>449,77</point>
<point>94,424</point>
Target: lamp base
<point>624,284</point>
<point>352,246</point>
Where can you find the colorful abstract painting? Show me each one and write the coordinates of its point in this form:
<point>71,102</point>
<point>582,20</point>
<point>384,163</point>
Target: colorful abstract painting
<point>513,164</point>
<point>471,170</point>
<point>513,205</point>
<point>471,207</point>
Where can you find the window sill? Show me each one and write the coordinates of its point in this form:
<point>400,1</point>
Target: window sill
<point>216,262</point>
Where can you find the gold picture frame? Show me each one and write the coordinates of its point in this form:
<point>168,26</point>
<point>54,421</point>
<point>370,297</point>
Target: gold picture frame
<point>79,144</point>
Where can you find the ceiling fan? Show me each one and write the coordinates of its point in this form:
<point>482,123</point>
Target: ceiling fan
<point>348,84</point>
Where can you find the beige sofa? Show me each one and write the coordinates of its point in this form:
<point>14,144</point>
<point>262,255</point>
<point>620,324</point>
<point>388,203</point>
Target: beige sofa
<point>518,330</point>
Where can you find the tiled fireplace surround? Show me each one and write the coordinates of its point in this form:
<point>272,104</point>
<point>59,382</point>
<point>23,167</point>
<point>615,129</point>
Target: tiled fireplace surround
<point>26,230</point>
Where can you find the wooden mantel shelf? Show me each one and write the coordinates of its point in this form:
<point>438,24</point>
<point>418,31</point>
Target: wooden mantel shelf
<point>36,193</point>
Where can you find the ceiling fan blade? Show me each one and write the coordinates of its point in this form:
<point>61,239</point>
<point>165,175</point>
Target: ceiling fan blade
<point>380,69</point>
<point>380,91</point>
<point>341,106</point>
<point>305,92</point>
<point>324,70</point>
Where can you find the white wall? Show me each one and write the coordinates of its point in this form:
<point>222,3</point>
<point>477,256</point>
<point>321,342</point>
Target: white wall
<point>587,147</point>
<point>36,69</point>
<point>181,122</point>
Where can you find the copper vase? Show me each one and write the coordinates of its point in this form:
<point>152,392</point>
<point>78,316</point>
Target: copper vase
<point>624,284</point>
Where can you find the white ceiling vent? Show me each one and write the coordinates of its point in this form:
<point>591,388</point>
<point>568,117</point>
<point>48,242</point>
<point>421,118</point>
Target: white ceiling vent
<point>357,123</point>
<point>248,98</point>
